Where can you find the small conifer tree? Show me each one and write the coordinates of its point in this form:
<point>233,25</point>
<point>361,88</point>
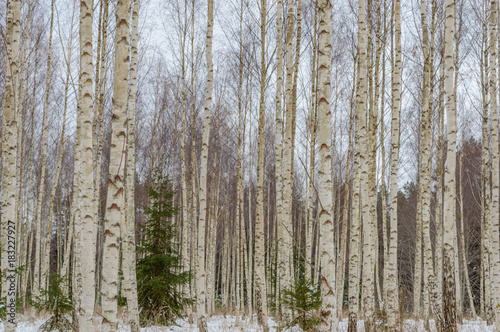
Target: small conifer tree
<point>160,273</point>
<point>54,301</point>
<point>304,299</point>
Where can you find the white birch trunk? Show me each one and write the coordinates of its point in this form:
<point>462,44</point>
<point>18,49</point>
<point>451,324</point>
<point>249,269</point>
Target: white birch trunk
<point>260,269</point>
<point>186,223</point>
<point>86,188</point>
<point>309,272</point>
<point>240,175</point>
<point>193,213</point>
<point>285,247</point>
<point>212,234</point>
<point>279,153</point>
<point>326,233</point>
<point>114,219</point>
<point>449,237</point>
<point>425,172</point>
<point>369,169</point>
<point>201,283</point>
<point>99,134</point>
<point>439,199</point>
<point>9,155</point>
<point>485,186</point>
<point>392,266</point>
<point>362,110</point>
<point>128,237</point>
<point>495,172</point>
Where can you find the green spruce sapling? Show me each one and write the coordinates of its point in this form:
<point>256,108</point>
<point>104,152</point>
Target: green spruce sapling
<point>54,301</point>
<point>304,299</point>
<point>160,273</point>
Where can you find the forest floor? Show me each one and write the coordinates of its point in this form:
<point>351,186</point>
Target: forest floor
<point>231,324</point>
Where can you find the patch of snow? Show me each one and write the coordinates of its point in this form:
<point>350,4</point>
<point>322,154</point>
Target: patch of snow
<point>410,325</point>
<point>233,324</point>
<point>26,326</point>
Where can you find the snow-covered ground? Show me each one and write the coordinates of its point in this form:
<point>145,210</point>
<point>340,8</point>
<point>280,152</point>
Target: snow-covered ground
<point>233,324</point>
<point>26,326</point>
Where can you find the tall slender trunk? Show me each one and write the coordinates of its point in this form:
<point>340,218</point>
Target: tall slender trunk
<point>425,170</point>
<point>260,268</point>
<point>240,209</point>
<point>360,130</point>
<point>285,245</point>
<point>362,108</point>
<point>201,271</point>
<point>383,163</point>
<point>309,271</point>
<point>9,155</point>
<point>100,120</point>
<point>374,122</point>
<point>485,185</point>
<point>86,187</point>
<point>449,237</point>
<point>193,213</point>
<point>97,71</point>
<point>355,226</point>
<point>99,144</point>
<point>212,233</point>
<point>114,218</point>
<point>392,266</point>
<point>245,259</point>
<point>495,176</point>
<point>369,169</point>
<point>439,200</point>
<point>326,234</point>
<point>296,228</point>
<point>279,153</point>
<point>251,208</point>
<point>128,237</point>
<point>186,229</point>
<point>456,65</point>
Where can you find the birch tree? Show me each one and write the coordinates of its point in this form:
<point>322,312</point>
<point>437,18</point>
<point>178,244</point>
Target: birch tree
<point>128,237</point>
<point>86,187</point>
<point>495,169</point>
<point>485,183</point>
<point>279,149</point>
<point>426,165</point>
<point>9,155</point>
<point>449,320</point>
<point>326,234</point>
<point>201,283</point>
<point>186,223</point>
<point>260,277</point>
<point>360,132</point>
<point>114,219</point>
<point>309,272</point>
<point>392,267</point>
<point>285,244</point>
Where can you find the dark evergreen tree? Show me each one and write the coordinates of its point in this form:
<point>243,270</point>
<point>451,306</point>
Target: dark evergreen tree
<point>54,301</point>
<point>304,299</point>
<point>160,274</point>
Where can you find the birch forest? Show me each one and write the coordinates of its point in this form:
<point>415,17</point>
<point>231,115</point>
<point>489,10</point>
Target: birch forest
<point>250,165</point>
